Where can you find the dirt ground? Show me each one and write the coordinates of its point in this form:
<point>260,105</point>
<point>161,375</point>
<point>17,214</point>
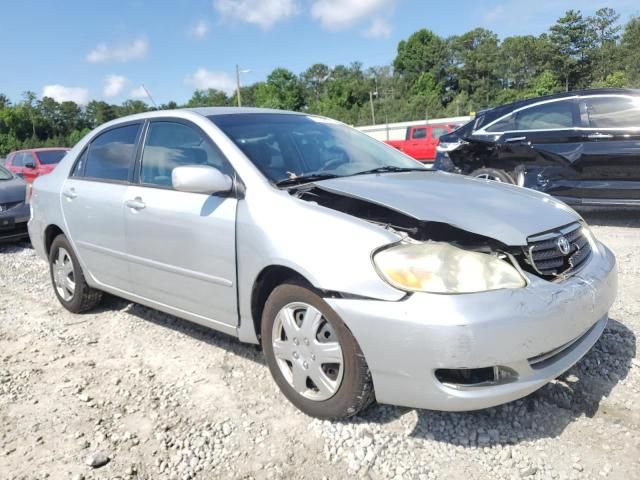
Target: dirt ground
<point>157,397</point>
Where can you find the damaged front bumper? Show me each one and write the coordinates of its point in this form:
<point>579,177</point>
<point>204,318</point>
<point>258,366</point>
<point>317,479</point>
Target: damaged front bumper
<point>472,351</point>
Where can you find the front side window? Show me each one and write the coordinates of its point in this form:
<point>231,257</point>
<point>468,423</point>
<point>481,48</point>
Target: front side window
<point>169,145</point>
<point>505,125</point>
<point>111,154</point>
<point>419,133</point>
<point>612,112</point>
<point>437,132</point>
<point>286,146</point>
<point>547,116</point>
<point>18,159</point>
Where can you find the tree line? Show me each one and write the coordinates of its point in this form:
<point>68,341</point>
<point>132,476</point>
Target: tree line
<point>430,77</point>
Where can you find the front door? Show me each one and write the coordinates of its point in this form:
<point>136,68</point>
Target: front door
<point>93,204</point>
<point>181,246</point>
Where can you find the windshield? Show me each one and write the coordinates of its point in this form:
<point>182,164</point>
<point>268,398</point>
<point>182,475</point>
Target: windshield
<point>50,157</point>
<point>286,146</point>
<point>5,174</point>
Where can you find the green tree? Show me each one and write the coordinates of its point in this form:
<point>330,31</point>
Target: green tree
<point>208,98</point>
<point>98,112</point>
<point>630,51</point>
<point>572,39</point>
<point>606,33</point>
<point>423,51</point>
<point>282,90</point>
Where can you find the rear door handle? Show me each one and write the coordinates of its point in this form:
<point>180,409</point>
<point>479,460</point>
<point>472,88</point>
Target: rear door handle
<point>599,136</point>
<point>136,203</point>
<point>70,194</point>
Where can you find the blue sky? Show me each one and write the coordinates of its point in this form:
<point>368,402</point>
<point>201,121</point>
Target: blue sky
<point>82,50</point>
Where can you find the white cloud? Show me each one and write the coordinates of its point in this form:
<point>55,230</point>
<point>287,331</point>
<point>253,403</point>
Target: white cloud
<point>138,92</point>
<point>60,93</point>
<point>113,85</point>
<point>199,30</point>
<point>122,52</point>
<point>264,13</point>
<point>339,14</point>
<point>379,28</point>
<point>203,79</point>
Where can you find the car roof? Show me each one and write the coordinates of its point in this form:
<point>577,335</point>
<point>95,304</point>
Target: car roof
<point>214,111</point>
<point>41,149</point>
<point>501,110</point>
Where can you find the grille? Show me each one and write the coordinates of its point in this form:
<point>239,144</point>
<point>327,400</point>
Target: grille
<point>7,206</point>
<point>558,253</point>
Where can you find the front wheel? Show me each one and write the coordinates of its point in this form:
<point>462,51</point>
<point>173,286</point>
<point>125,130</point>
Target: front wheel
<point>493,174</point>
<point>312,355</point>
<point>69,283</point>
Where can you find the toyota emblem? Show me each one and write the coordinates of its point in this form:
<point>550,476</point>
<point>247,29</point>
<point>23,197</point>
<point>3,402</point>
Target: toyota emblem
<point>564,247</point>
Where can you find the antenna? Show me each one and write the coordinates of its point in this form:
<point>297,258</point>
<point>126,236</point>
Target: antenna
<point>149,95</point>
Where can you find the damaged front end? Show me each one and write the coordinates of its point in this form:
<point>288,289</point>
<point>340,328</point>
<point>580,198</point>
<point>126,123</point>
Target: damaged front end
<point>439,257</point>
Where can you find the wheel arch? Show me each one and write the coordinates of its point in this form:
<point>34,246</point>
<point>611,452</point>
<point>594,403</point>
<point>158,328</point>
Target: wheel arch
<point>267,280</point>
<point>50,233</point>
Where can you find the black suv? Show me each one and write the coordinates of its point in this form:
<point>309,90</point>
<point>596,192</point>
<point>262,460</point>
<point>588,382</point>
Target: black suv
<point>582,147</point>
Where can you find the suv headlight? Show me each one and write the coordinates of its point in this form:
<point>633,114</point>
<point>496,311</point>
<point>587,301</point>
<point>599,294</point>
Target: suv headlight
<point>443,268</point>
<point>447,146</point>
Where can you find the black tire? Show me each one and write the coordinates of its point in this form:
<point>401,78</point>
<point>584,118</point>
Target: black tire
<point>355,391</point>
<point>84,297</point>
<point>493,174</point>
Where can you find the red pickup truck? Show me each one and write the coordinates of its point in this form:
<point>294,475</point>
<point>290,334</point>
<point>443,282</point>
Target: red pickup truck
<point>421,141</point>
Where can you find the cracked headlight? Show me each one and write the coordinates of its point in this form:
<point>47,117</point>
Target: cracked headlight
<point>443,268</point>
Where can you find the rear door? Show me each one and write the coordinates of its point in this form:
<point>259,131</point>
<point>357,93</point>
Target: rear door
<point>93,203</point>
<point>181,245</point>
<point>610,163</point>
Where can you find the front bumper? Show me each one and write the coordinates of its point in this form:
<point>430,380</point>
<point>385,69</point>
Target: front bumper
<point>13,223</point>
<point>406,342</point>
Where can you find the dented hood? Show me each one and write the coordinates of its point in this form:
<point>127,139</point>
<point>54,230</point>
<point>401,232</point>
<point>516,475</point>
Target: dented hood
<point>506,213</point>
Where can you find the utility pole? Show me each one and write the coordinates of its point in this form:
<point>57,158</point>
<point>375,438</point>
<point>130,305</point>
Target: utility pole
<point>238,84</point>
<point>238,72</point>
<point>373,113</point>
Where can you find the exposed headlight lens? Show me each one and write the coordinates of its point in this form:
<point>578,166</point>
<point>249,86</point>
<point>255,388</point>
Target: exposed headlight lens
<point>447,146</point>
<point>443,268</point>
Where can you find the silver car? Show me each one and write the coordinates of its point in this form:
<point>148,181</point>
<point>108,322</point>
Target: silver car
<point>363,275</point>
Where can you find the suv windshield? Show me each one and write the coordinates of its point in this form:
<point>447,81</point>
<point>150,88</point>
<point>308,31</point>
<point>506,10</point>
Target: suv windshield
<point>288,146</point>
<point>50,157</point>
<point>5,174</point>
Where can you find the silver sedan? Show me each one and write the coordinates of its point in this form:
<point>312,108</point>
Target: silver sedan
<point>363,275</point>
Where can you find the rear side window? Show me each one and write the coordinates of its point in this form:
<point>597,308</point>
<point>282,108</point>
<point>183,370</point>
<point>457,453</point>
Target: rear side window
<point>169,145</point>
<point>419,133</point>
<point>51,157</point>
<point>612,112</point>
<point>111,154</point>
<point>546,116</point>
<point>19,159</point>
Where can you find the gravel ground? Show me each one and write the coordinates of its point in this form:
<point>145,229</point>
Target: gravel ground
<point>126,392</point>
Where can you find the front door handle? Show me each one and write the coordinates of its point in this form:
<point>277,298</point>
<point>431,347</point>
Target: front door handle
<point>599,136</point>
<point>136,203</point>
<point>70,194</point>
<point>515,139</point>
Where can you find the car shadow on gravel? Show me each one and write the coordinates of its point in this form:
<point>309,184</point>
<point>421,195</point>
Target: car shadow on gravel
<point>544,413</point>
<point>609,217</point>
<point>184,327</point>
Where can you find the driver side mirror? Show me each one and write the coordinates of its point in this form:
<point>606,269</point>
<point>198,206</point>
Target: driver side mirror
<point>200,179</point>
<point>30,165</point>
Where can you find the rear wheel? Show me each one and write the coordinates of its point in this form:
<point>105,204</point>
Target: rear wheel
<point>312,355</point>
<point>69,283</point>
<point>493,174</point>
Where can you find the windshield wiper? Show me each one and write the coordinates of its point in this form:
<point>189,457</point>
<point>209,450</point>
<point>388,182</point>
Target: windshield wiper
<point>312,177</point>
<point>389,168</point>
